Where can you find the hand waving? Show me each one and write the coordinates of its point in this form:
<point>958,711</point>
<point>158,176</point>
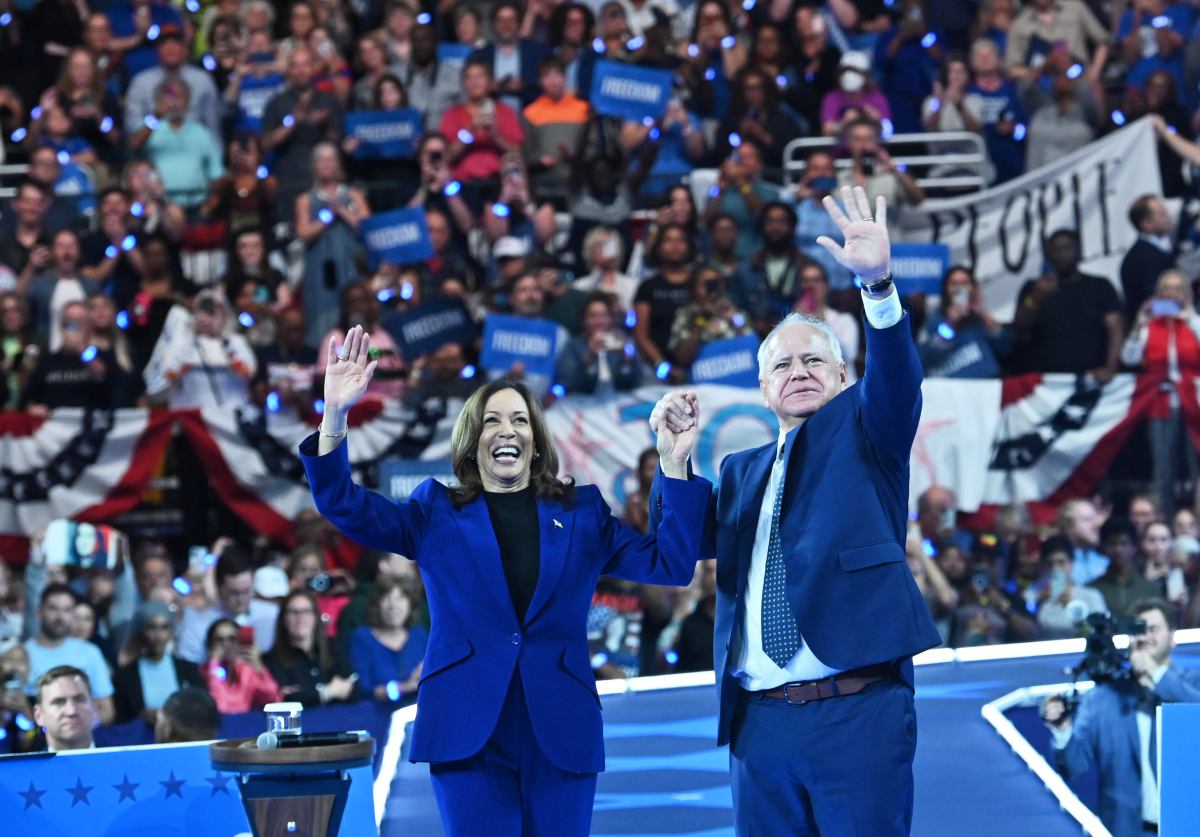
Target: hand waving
<point>347,376</point>
<point>867,249</point>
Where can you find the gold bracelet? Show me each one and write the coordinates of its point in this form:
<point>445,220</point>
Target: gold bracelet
<point>324,432</point>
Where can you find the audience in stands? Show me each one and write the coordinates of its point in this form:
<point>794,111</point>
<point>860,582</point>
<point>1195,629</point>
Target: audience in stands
<point>387,652</point>
<point>233,669</point>
<point>63,707</point>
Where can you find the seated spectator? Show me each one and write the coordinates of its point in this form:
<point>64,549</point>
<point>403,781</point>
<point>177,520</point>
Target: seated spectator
<point>152,212</point>
<point>1150,256</point>
<point>756,113</point>
<point>53,646</point>
<point>242,198</point>
<point>306,570</point>
<point>306,666</point>
<point>81,94</point>
<point>937,519</point>
<point>1063,118</point>
<point>722,243</point>
<point>326,219</point>
<point>513,61</point>
<point>604,253</point>
<point>19,350</point>
<point>816,61</point>
<point>855,97</point>
<point>63,707</point>
<point>1079,522</point>
<point>963,341</point>
<point>662,294</point>
<point>1000,110</point>
<point>201,104</point>
<point>61,283</point>
<point>25,235</point>
<point>602,360</point>
<point>710,316</point>
<point>742,193</point>
<point>1122,585</point>
<point>1068,321</point>
<point>1162,566</point>
<point>79,374</point>
<point>253,287</point>
<point>184,151</point>
<point>951,108</point>
<point>360,307</point>
<point>553,123</point>
<point>563,304</point>
<point>680,147</point>
<point>434,86</point>
<point>1043,27</point>
<point>637,502</point>
<point>287,367</point>
<point>388,651</point>
<point>873,168</point>
<point>768,282</point>
<point>205,363</point>
<point>53,128</point>
<point>1151,36</point>
<point>812,219</point>
<point>234,582</point>
<point>233,671</point>
<point>145,684</point>
<point>69,188</point>
<point>15,708</point>
<point>85,626</point>
<point>480,131</point>
<point>987,614</point>
<point>188,715</point>
<point>111,255</point>
<point>1064,604</point>
<point>694,646</point>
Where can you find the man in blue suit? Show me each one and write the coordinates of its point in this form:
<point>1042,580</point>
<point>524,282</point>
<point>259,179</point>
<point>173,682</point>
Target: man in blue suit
<point>817,615</point>
<point>514,60</point>
<point>1114,727</point>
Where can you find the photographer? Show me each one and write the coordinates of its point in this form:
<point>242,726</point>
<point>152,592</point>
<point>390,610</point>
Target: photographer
<point>306,570</point>
<point>1113,726</point>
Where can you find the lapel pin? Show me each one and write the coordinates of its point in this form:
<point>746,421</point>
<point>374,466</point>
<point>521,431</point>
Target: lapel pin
<point>557,524</point>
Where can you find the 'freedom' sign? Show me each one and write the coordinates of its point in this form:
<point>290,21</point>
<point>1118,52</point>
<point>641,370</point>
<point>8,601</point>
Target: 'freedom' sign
<point>629,92</point>
<point>398,237</point>
<point>733,362</point>
<point>384,134</point>
<point>919,268</point>
<point>508,340</point>
<point>429,327</point>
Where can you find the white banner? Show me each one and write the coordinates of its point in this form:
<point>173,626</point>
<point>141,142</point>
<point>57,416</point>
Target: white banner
<point>999,231</point>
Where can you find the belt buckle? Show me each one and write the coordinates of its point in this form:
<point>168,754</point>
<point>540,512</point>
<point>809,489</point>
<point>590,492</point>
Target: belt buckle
<point>788,697</point>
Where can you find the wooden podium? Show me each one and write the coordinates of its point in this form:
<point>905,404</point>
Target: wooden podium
<point>294,791</point>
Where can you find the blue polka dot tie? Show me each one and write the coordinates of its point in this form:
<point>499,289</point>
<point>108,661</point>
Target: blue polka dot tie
<point>780,636</point>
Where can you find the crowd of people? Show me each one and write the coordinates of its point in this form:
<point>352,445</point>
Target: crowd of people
<point>186,232</point>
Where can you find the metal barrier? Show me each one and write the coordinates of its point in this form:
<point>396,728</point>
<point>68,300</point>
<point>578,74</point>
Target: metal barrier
<point>941,163</point>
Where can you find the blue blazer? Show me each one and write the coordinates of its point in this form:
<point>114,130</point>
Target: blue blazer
<point>1104,734</point>
<point>843,524</point>
<point>476,643</point>
<point>532,53</point>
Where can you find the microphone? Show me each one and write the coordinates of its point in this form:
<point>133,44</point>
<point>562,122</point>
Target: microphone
<point>273,741</point>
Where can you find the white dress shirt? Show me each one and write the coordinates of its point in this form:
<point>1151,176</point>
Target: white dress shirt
<point>753,667</point>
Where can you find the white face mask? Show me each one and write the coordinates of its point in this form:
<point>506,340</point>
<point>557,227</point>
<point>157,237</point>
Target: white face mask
<point>851,81</point>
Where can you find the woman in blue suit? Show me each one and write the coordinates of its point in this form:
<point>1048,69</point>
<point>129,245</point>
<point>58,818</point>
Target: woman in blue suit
<point>508,717</point>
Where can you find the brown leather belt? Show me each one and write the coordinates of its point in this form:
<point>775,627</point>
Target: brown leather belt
<point>847,683</point>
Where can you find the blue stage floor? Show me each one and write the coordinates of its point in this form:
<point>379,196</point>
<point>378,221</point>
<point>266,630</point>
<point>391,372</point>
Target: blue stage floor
<point>666,777</point>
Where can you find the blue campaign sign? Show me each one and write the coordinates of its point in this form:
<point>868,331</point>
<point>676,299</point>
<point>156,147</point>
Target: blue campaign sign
<point>384,134</point>
<point>398,237</point>
<point>733,362</point>
<point>630,92</point>
<point>429,327</point>
<point>508,340</point>
<point>454,54</point>
<point>399,478</point>
<point>919,268</point>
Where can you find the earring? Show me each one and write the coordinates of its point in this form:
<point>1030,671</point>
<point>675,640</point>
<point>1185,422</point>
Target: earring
<point>536,454</point>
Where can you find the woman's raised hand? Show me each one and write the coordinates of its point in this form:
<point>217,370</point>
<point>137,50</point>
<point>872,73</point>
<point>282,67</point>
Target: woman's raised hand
<point>347,375</point>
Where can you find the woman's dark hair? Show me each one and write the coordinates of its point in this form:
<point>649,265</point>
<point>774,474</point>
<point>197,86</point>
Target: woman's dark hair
<point>288,653</point>
<point>656,251</point>
<point>382,588</point>
<point>700,11</point>
<point>558,23</point>
<point>953,57</point>
<point>212,631</point>
<point>693,227</point>
<point>958,268</point>
<point>389,78</point>
<point>464,441</point>
<point>343,322</point>
<point>738,106</point>
<point>298,554</point>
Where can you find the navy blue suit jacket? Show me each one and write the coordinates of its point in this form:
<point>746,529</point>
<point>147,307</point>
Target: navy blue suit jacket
<point>476,642</point>
<point>532,53</point>
<point>843,524</point>
<point>1104,734</point>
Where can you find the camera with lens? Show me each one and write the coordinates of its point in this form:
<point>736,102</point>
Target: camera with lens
<point>1103,661</point>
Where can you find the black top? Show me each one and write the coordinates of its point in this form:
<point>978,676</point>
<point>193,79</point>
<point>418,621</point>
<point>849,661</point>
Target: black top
<point>1068,334</point>
<point>305,673</point>
<point>515,522</point>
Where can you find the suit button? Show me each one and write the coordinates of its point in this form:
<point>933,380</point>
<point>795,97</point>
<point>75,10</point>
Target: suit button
<point>516,639</point>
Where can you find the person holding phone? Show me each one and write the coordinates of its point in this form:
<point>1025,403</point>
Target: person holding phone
<point>1165,342</point>
<point>963,341</point>
<point>233,672</point>
<point>1063,604</point>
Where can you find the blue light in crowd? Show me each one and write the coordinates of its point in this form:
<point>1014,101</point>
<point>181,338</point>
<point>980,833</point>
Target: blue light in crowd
<point>385,294</point>
<point>465,136</point>
<point>635,43</point>
<point>655,134</point>
<point>5,19</point>
<point>246,319</point>
<point>136,209</point>
<point>858,282</point>
<point>63,158</point>
<point>122,320</point>
<point>808,77</point>
<point>647,121</point>
<point>110,252</point>
<point>630,318</point>
<point>153,32</point>
<point>23,723</point>
<point>18,135</point>
<point>1161,22</point>
<point>672,657</point>
<point>1170,129</point>
<point>192,6</point>
<point>89,354</point>
<point>452,189</point>
<point>424,18</point>
<point>630,350</point>
<point>273,402</point>
<point>219,673</point>
<point>935,104</point>
<point>210,559</point>
<point>3,733</point>
<point>662,370</point>
<point>748,5</point>
<point>714,190</point>
<point>319,407</point>
<point>929,40</point>
<point>325,216</point>
<point>1019,131</point>
<point>710,74</point>
<point>738,320</point>
<point>693,50</point>
<point>128,242</point>
<point>781,82</point>
<point>728,42</point>
<point>36,113</point>
<point>945,331</point>
<point>889,3</point>
<point>1118,118</point>
<point>182,586</point>
<point>289,120</point>
<point>598,45</point>
<point>106,124</point>
<point>735,140</point>
<point>150,122</point>
<point>558,390</point>
<point>209,63</point>
<point>886,129</point>
<point>468,372</point>
<point>1075,71</point>
<point>407,290</point>
<point>928,548</point>
<point>262,173</point>
<point>599,659</point>
<point>901,167</point>
<point>393,690</point>
<point>500,210</point>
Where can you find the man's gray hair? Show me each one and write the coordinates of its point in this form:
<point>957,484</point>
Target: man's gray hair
<point>798,318</point>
